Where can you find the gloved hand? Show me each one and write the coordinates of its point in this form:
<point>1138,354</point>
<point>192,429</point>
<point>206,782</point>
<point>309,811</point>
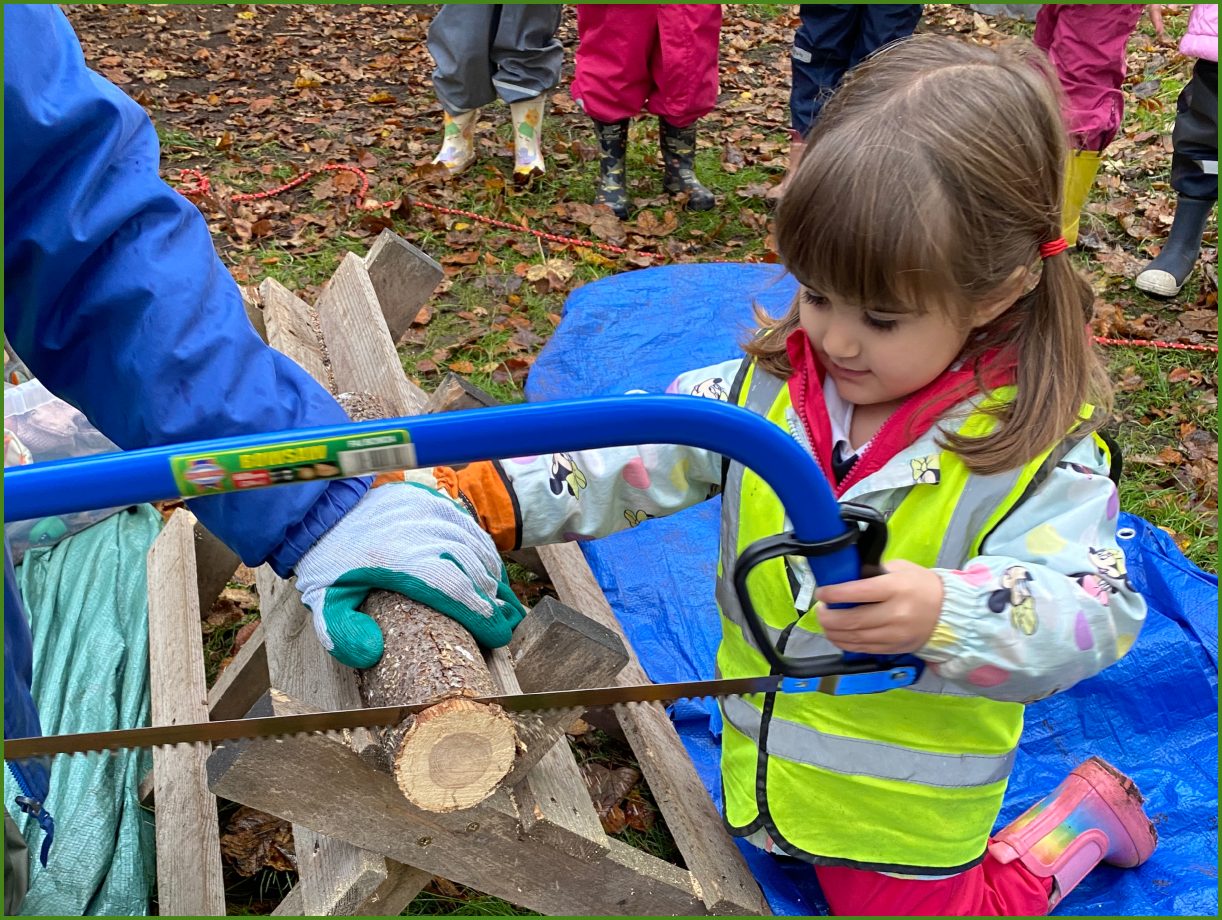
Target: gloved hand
<point>407,538</point>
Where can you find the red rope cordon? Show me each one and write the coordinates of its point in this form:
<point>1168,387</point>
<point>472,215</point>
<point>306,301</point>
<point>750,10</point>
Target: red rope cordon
<point>203,186</point>
<point>1155,343</point>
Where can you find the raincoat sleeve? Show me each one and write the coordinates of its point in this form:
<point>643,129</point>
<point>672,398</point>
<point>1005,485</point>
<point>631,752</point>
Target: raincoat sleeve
<point>532,501</point>
<point>1048,602</point>
<point>116,300</point>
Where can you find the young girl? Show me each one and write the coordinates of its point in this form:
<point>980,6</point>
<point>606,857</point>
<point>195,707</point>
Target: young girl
<point>938,366</point>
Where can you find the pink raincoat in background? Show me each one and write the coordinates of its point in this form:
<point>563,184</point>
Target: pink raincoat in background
<point>658,57</point>
<point>1201,39</point>
<point>1086,44</point>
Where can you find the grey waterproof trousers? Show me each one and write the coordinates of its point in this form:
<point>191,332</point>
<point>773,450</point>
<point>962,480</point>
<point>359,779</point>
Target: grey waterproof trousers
<point>484,51</point>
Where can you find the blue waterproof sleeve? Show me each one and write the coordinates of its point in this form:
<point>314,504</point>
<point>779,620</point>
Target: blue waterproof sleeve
<point>117,301</point>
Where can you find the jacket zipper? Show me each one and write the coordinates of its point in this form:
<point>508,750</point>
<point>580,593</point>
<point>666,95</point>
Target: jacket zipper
<point>31,806</point>
<point>855,474</point>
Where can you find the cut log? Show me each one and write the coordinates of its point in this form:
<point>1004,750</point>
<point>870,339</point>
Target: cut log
<point>452,755</point>
<point>455,393</point>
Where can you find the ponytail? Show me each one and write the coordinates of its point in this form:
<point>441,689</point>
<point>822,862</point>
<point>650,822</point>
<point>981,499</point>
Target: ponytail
<point>1058,370</point>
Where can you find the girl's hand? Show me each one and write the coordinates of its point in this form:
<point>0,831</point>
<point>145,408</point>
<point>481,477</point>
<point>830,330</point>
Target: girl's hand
<point>895,612</point>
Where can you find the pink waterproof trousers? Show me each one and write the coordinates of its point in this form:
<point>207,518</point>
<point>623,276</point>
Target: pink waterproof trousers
<point>990,889</point>
<point>658,57</point>
<point>1086,45</point>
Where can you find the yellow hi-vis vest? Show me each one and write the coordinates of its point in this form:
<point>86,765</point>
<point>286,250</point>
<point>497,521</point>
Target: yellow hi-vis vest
<point>909,780</point>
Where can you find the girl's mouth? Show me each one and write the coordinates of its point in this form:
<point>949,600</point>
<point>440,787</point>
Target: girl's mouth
<point>843,372</point>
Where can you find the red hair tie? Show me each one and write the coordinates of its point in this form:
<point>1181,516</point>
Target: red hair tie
<point>1053,247</point>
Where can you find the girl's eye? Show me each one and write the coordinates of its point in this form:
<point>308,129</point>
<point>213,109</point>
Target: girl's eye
<point>813,299</point>
<point>875,322</point>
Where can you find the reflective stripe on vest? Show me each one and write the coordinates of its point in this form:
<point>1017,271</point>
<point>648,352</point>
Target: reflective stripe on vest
<point>803,744</point>
<point>862,780</point>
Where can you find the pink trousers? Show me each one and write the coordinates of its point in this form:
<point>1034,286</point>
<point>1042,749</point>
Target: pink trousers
<point>658,57</point>
<point>1086,45</point>
<point>991,889</point>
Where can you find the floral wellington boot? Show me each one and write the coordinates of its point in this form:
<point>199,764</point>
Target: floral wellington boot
<point>458,142</point>
<point>527,117</point>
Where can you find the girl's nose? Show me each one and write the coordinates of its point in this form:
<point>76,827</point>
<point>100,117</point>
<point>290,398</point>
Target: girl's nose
<point>838,340</point>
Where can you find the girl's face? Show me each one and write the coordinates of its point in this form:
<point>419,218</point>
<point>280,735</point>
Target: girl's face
<point>878,357</point>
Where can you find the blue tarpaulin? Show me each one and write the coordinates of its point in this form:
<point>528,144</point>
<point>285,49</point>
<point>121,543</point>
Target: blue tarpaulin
<point>1153,714</point>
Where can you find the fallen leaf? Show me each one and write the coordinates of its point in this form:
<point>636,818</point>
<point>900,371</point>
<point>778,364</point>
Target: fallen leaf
<point>608,788</point>
<point>648,224</point>
<point>253,840</point>
<point>639,814</point>
<point>1200,320</point>
<point>307,79</point>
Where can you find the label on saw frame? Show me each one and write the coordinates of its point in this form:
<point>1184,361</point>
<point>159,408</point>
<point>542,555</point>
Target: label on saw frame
<point>292,461</point>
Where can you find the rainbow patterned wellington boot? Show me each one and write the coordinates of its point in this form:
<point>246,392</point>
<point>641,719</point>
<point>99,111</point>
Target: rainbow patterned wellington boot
<point>527,117</point>
<point>457,141</point>
<point>1094,816</point>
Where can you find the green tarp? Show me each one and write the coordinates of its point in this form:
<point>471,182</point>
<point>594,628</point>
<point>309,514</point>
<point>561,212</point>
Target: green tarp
<point>87,600</point>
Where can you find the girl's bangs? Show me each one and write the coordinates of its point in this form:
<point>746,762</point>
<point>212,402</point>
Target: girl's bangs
<point>875,230</point>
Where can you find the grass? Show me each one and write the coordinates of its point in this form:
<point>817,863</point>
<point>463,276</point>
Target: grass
<point>1157,412</point>
<point>466,903</point>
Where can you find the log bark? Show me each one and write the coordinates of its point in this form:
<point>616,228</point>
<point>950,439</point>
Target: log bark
<point>454,754</point>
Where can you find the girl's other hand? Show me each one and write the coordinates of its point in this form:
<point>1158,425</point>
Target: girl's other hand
<point>894,613</point>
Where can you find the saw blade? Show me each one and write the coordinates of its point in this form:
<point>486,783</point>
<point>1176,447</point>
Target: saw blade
<point>346,719</point>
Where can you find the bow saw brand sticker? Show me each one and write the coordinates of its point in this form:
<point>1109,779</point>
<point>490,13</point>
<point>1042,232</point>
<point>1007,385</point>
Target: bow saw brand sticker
<point>293,461</point>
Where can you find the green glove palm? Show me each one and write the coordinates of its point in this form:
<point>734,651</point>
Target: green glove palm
<point>410,539</point>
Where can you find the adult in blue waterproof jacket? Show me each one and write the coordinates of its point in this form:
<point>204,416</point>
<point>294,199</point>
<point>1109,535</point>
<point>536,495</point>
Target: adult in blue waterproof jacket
<point>116,300</point>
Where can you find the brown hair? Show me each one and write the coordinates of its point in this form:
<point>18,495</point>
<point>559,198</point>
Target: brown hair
<point>932,174</point>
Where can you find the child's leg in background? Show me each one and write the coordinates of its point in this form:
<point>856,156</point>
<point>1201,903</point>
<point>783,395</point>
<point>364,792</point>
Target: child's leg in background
<point>1194,162</point>
<point>1086,45</point>
<point>822,47</point>
<point>1194,176</point>
<point>459,39</point>
<point>526,61</point>
<point>683,66</point>
<point>991,889</point>
<point>883,23</point>
<point>616,41</point>
<point>526,56</point>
